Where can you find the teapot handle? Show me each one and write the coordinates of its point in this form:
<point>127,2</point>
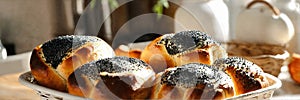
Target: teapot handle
<point>273,8</point>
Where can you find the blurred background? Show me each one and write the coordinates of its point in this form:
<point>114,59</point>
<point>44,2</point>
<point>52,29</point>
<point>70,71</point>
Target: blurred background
<point>25,24</point>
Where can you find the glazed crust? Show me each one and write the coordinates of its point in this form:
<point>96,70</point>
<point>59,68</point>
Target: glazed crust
<point>171,50</point>
<point>56,78</point>
<point>52,62</point>
<point>157,56</point>
<point>73,87</point>
<point>45,74</point>
<point>192,81</point>
<point>112,78</point>
<point>245,75</point>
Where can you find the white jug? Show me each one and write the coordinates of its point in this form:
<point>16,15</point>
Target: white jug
<point>235,7</point>
<point>263,25</point>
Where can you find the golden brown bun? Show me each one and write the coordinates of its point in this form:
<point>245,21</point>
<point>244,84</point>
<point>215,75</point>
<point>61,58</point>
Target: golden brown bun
<point>181,48</point>
<point>245,75</point>
<point>112,78</point>
<point>52,62</point>
<point>192,81</point>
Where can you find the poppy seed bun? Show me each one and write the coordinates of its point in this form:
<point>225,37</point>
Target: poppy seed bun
<point>53,61</point>
<point>245,75</point>
<point>112,78</point>
<point>193,81</point>
<point>181,48</point>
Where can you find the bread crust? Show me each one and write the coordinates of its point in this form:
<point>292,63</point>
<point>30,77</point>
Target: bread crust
<point>45,74</point>
<point>112,78</point>
<point>51,63</point>
<point>192,81</point>
<point>245,75</point>
<point>171,50</point>
<point>156,55</point>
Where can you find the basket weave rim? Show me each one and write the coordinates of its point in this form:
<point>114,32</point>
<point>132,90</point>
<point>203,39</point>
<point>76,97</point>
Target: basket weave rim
<point>24,79</point>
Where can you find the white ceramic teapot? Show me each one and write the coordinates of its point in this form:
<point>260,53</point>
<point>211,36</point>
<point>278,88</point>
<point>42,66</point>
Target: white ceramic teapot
<point>263,25</point>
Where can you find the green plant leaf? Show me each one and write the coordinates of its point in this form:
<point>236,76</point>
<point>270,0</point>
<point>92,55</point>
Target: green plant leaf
<point>165,3</point>
<point>159,7</point>
<point>113,4</point>
<point>93,3</point>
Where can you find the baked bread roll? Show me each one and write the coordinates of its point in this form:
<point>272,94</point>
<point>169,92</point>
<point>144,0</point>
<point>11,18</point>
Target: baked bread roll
<point>192,81</point>
<point>181,48</point>
<point>112,78</point>
<point>52,62</point>
<point>245,75</point>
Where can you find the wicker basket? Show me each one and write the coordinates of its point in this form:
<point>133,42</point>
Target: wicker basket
<point>49,94</point>
<point>269,57</point>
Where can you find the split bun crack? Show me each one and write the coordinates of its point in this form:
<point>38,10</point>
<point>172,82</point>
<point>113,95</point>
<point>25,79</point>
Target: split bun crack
<point>112,78</point>
<point>226,78</point>
<point>52,62</point>
<point>193,81</point>
<point>246,75</point>
<point>175,49</point>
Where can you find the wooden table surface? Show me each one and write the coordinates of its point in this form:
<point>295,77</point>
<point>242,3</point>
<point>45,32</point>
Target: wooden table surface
<point>11,89</point>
